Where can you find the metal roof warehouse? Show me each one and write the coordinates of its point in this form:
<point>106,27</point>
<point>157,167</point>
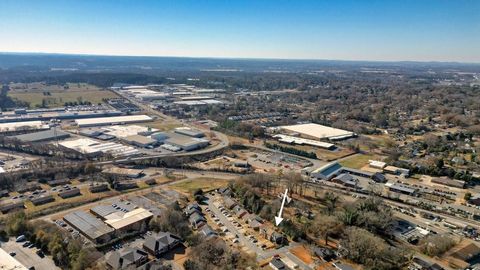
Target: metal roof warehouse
<point>319,131</point>
<point>112,120</point>
<point>90,226</point>
<point>42,136</point>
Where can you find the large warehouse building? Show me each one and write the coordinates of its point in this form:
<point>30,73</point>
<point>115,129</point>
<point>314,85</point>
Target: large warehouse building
<point>91,227</point>
<point>92,147</point>
<point>117,120</point>
<point>316,131</point>
<point>43,136</point>
<point>26,125</point>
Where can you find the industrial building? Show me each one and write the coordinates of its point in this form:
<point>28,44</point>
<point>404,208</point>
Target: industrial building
<point>122,131</point>
<point>22,115</point>
<point>185,142</point>
<point>117,120</point>
<point>316,131</point>
<point>301,141</point>
<point>93,148</point>
<point>140,141</point>
<point>23,126</point>
<point>399,188</point>
<point>42,136</point>
<point>89,226</point>
<point>189,132</point>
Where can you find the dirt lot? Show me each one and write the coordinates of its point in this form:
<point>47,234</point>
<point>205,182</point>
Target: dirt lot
<point>303,254</point>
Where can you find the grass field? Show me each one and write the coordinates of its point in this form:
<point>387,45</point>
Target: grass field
<point>356,161</point>
<point>55,96</point>
<point>206,184</point>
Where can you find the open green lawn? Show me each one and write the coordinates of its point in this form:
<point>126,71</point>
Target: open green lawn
<point>206,184</point>
<point>56,96</point>
<point>356,161</point>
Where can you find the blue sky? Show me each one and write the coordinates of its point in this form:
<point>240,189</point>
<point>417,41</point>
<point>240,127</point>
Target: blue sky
<point>423,30</point>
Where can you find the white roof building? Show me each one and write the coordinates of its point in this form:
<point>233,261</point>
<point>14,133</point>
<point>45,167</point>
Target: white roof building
<point>319,131</point>
<point>116,120</point>
<point>8,262</point>
<point>26,125</point>
<point>90,147</point>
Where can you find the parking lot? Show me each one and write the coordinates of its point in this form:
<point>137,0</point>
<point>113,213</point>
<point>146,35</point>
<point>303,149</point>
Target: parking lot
<point>27,256</point>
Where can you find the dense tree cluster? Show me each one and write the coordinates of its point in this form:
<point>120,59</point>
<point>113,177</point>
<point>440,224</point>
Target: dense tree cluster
<point>67,253</point>
<point>214,254</point>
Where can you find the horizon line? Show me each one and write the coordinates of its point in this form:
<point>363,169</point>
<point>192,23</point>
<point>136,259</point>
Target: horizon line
<point>243,58</point>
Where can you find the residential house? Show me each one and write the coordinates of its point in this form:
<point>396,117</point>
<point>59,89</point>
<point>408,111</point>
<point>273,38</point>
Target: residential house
<point>197,220</point>
<point>126,258</point>
<point>161,243</point>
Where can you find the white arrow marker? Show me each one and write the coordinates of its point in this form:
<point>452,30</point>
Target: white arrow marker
<point>279,219</point>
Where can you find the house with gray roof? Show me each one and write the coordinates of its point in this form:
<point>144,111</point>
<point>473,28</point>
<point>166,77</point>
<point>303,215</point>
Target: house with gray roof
<point>126,258</point>
<point>161,243</point>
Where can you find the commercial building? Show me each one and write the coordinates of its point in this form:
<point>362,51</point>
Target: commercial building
<point>89,226</point>
<point>116,120</point>
<point>42,136</point>
<point>327,171</point>
<point>399,188</point>
<point>346,180</point>
<point>140,141</point>
<point>377,164</point>
<point>131,221</point>
<point>301,141</point>
<point>22,126</point>
<point>397,171</point>
<point>99,188</point>
<point>10,207</point>
<point>316,131</point>
<point>449,182</point>
<point>70,193</point>
<point>42,200</point>
<point>189,132</point>
<point>8,262</point>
